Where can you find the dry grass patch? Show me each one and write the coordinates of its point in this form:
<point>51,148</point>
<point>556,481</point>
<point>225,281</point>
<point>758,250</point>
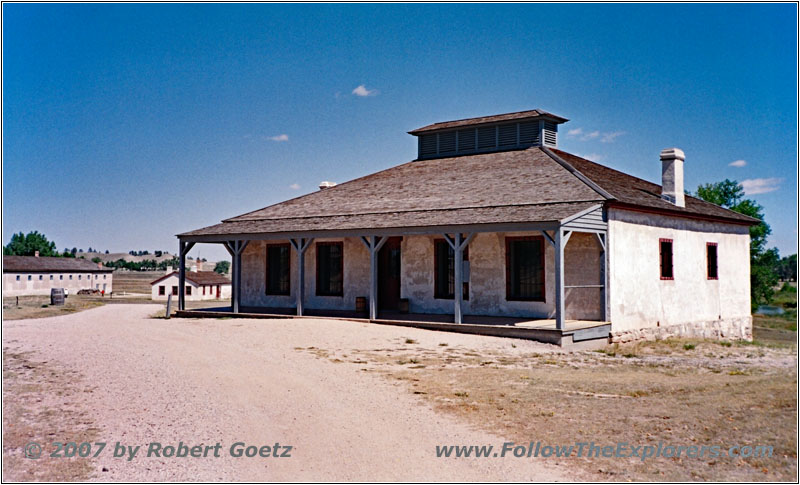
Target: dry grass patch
<point>41,403</point>
<point>678,392</point>
<point>39,306</point>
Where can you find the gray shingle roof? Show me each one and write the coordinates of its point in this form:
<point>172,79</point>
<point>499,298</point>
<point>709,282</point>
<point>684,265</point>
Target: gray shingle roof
<point>531,185</point>
<point>57,265</point>
<point>520,177</point>
<point>635,192</point>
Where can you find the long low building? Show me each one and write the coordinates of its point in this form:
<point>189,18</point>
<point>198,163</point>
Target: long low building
<point>35,275</point>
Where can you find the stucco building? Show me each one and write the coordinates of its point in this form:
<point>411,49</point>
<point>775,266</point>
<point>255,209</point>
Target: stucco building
<point>200,285</point>
<point>493,224</point>
<point>34,275</point>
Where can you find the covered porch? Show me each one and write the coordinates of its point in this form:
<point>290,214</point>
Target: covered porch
<point>552,327</point>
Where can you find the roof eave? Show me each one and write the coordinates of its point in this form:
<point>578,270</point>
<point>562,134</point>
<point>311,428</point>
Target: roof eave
<point>679,213</point>
<point>438,127</point>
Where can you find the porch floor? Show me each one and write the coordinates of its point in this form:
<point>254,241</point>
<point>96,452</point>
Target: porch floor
<point>543,330</point>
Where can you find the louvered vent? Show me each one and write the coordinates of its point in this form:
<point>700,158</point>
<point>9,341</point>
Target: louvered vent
<point>550,133</point>
<point>487,137</point>
<point>466,140</point>
<point>529,133</point>
<point>508,135</point>
<point>427,145</point>
<point>484,137</point>
<point>447,142</point>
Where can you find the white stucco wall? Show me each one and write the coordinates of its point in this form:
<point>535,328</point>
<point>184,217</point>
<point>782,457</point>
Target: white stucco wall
<point>35,286</point>
<point>641,300</point>
<point>197,291</point>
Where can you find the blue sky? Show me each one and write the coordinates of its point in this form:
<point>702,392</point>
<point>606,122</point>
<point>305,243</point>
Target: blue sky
<point>126,124</point>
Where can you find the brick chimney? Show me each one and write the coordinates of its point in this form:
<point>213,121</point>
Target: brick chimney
<point>672,176</point>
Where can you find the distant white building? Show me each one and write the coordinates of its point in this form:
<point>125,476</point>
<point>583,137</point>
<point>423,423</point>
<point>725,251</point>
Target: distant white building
<point>200,285</point>
<point>34,275</point>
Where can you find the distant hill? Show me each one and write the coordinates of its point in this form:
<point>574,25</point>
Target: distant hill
<point>127,257</point>
<point>205,266</point>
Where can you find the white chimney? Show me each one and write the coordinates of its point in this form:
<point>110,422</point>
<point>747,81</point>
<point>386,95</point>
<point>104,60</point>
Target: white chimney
<point>326,185</point>
<point>169,270</point>
<point>672,176</point>
<point>36,254</point>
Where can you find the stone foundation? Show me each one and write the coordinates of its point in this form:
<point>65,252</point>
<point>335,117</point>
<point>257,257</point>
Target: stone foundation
<point>728,329</point>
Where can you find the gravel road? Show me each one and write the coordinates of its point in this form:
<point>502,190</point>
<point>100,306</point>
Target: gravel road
<point>204,381</point>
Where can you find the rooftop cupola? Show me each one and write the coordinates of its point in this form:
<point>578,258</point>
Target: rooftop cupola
<point>495,133</point>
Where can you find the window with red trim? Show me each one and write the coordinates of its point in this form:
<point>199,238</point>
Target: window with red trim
<point>665,258</point>
<point>711,261</point>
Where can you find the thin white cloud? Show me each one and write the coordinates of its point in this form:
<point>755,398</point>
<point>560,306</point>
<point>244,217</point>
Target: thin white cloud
<point>610,137</point>
<point>282,137</point>
<point>295,186</point>
<point>362,91</point>
<point>761,186</point>
<point>607,137</point>
<point>738,163</point>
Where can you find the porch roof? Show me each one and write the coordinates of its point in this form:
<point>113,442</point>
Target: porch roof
<point>508,214</point>
<point>531,185</point>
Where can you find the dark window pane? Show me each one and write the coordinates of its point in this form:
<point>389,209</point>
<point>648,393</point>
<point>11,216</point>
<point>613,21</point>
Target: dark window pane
<point>444,276</point>
<point>666,259</point>
<point>329,269</point>
<point>278,282</point>
<point>526,269</point>
<point>711,258</point>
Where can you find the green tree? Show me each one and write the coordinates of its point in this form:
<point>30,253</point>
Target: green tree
<point>763,262</point>
<point>27,245</point>
<point>787,268</point>
<point>96,259</point>
<point>222,267</point>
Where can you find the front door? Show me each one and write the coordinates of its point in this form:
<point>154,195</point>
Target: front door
<point>389,275</point>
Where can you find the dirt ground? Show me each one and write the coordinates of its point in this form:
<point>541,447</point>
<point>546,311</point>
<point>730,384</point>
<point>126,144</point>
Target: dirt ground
<point>115,375</point>
<point>372,402</point>
<point>677,392</point>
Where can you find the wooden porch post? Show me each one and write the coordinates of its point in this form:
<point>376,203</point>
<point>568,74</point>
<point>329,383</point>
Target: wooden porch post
<point>183,249</point>
<point>300,245</point>
<point>561,239</point>
<point>236,248</point>
<point>602,238</point>
<point>374,245</point>
<point>459,243</point>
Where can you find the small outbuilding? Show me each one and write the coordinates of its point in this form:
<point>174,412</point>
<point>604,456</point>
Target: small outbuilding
<point>200,285</point>
<point>35,275</point>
